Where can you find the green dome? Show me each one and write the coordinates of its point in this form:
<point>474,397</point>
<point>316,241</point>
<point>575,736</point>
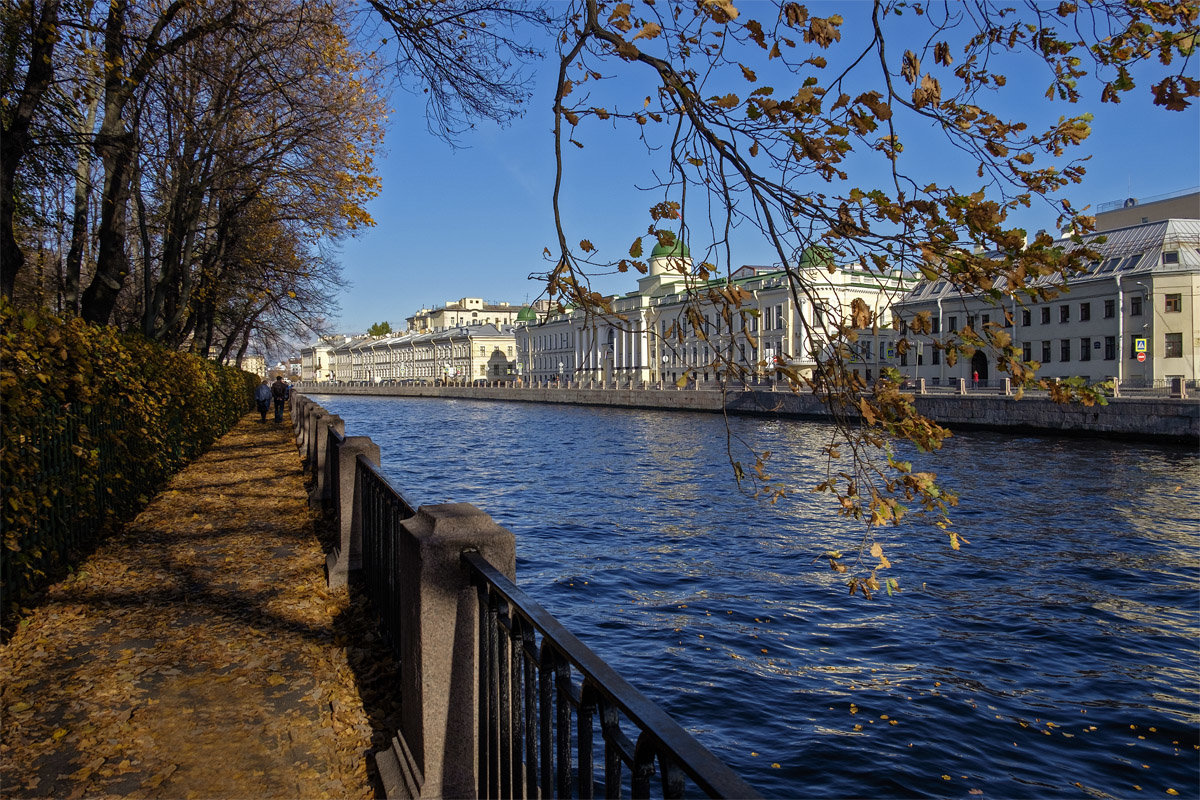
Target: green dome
<point>676,250</point>
<point>526,314</point>
<point>816,256</point>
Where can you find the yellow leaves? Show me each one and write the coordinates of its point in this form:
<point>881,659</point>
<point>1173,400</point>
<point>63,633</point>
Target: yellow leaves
<point>928,93</point>
<point>748,73</point>
<point>910,66</point>
<point>720,11</point>
<point>727,101</point>
<point>586,246</point>
<point>649,31</point>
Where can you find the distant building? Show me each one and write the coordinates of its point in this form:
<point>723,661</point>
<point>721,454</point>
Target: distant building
<point>1131,317</point>
<point>469,311</point>
<point>640,342</point>
<point>1132,211</point>
<point>316,360</point>
<point>468,353</point>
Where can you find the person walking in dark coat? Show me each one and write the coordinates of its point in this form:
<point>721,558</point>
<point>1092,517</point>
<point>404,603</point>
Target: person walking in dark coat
<point>262,399</point>
<point>279,391</point>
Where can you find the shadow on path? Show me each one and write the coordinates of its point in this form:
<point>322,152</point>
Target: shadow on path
<point>198,653</point>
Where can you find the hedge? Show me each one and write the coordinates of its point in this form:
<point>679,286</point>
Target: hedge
<point>94,423</point>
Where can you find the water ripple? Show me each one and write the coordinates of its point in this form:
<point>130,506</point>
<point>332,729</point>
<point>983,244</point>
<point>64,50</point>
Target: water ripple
<point>1053,657</point>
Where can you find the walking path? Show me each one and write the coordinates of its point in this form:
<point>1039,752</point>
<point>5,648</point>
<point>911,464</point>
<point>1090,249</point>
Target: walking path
<point>198,652</point>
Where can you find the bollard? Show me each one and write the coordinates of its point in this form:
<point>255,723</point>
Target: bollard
<point>962,385</point>
<point>347,556</point>
<point>437,747</point>
<point>1007,387</point>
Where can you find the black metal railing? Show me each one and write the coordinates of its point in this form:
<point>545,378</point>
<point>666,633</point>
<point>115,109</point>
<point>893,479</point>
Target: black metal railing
<point>382,509</point>
<point>542,695</point>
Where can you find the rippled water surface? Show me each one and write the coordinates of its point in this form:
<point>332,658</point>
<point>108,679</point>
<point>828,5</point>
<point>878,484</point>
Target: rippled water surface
<point>1055,656</point>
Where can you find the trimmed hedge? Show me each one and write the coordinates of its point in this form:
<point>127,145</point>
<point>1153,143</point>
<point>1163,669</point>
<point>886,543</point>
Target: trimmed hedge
<point>94,423</point>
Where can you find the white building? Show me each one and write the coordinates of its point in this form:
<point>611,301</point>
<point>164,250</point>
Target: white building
<point>469,311</point>
<point>769,327</point>
<point>316,360</point>
<point>470,353</point>
<point>1131,317</point>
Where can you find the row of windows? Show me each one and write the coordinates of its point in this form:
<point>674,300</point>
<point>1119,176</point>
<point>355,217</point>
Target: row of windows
<point>1172,303</point>
<point>1172,348</point>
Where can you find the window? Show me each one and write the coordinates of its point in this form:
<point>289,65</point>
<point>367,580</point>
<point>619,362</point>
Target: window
<point>971,321</point>
<point>779,318</point>
<point>1173,347</point>
<point>1045,352</point>
<point>1064,313</point>
<point>1110,348</point>
<point>1026,317</point>
<point>986,319</point>
<point>1110,309</point>
<point>1085,349</point>
<point>1173,303</point>
<point>937,356</point>
<point>1133,346</point>
<point>935,325</point>
<point>1046,315</point>
<point>1064,350</point>
<point>953,324</point>
<point>1085,312</point>
<point>1135,305</point>
<point>1171,257</point>
<point>1026,351</point>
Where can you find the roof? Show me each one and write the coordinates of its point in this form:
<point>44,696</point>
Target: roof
<point>1164,247</point>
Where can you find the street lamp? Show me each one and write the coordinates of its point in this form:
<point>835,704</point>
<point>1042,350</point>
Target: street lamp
<point>560,373</point>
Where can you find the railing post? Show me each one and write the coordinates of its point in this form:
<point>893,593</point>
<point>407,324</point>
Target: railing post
<point>321,491</point>
<point>347,557</point>
<point>440,681</point>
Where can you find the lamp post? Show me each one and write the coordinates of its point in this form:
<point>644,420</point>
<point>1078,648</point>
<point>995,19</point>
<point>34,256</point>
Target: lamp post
<point>560,373</point>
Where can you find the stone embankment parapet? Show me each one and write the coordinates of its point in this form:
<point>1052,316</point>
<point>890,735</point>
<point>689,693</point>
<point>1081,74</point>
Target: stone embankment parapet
<point>1167,419</point>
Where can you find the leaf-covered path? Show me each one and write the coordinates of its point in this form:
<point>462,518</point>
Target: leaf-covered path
<point>198,652</point>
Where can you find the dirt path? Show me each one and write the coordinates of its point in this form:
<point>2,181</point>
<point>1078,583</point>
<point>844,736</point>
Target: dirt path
<point>195,654</point>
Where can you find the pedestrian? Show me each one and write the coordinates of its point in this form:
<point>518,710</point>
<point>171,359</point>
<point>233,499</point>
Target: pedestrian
<point>262,399</point>
<point>975,379</point>
<point>279,391</point>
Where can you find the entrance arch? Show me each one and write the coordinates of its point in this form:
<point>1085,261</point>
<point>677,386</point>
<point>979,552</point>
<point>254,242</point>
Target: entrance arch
<point>979,364</point>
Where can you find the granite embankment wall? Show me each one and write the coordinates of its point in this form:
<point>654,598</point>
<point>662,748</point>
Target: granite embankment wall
<point>1157,418</point>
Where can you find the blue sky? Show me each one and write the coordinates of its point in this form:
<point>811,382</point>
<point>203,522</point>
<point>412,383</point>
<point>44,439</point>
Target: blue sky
<point>472,221</point>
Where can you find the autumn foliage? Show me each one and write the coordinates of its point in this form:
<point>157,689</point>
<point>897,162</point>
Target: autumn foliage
<point>94,423</point>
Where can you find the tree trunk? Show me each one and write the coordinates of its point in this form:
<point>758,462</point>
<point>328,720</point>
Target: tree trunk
<point>15,138</point>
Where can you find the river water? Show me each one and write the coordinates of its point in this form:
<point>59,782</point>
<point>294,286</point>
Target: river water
<point>1056,655</point>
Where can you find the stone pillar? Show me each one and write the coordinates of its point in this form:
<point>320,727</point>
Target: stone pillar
<point>437,748</point>
<point>312,429</point>
<point>962,385</point>
<point>1007,386</point>
<point>321,492</point>
<point>920,386</point>
<point>347,557</point>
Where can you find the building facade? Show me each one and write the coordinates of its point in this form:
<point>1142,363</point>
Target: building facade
<point>470,353</point>
<point>1131,317</point>
<point>467,312</point>
<point>769,325</point>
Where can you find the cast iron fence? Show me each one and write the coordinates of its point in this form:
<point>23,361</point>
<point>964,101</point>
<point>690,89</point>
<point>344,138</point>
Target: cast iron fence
<point>542,695</point>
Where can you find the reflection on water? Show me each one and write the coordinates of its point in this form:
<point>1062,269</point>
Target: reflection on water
<point>1054,656</point>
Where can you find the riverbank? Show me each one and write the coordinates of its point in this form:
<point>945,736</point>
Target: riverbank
<point>1163,419</point>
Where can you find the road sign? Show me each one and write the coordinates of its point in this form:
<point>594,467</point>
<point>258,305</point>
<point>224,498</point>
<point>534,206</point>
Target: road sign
<point>1141,356</point>
<point>1139,344</point>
